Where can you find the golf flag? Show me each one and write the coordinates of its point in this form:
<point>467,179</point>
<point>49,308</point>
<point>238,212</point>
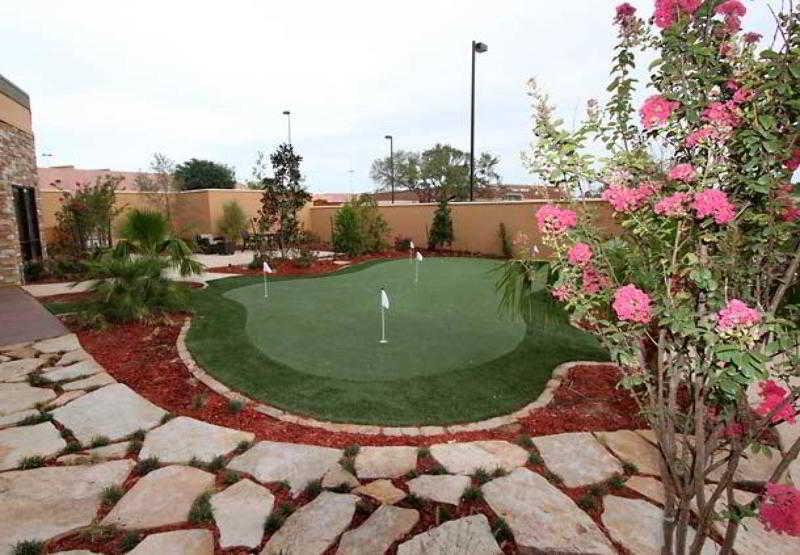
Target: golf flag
<point>419,256</point>
<point>384,300</point>
<point>411,245</point>
<point>266,269</point>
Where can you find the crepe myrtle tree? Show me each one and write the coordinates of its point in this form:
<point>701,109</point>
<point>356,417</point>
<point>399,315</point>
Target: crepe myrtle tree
<point>694,295</point>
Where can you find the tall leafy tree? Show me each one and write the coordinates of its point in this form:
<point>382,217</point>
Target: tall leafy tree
<point>439,173</point>
<point>204,174</point>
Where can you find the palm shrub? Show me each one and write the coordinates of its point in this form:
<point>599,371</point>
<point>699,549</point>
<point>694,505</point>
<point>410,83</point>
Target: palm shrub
<point>146,233</point>
<point>132,289</point>
<point>441,232</point>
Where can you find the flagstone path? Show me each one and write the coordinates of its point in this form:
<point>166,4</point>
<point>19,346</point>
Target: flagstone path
<point>76,447</point>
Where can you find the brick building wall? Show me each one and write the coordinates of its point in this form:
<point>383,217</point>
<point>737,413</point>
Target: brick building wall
<point>17,168</point>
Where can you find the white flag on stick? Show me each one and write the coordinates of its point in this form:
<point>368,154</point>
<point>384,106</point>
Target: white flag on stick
<point>384,300</point>
<point>419,256</point>
<point>411,245</point>
<point>266,268</point>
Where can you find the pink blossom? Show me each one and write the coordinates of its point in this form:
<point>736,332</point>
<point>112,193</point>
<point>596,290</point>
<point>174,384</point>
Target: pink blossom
<point>713,202</point>
<point>794,162</point>
<point>790,211</point>
<point>780,509</point>
<point>666,13</point>
<point>791,214</point>
<point>562,292</point>
<point>683,172</point>
<point>726,49</point>
<point>656,111</point>
<point>632,304</point>
<point>625,11</point>
<point>732,85</point>
<point>775,398</point>
<point>673,205</point>
<point>690,6</point>
<point>721,114</point>
<point>580,254</point>
<point>554,220</point>
<point>743,95</point>
<point>647,189</point>
<point>731,7</point>
<point>737,314</point>
<point>752,38</point>
<point>700,135</point>
<point>733,429</point>
<point>594,281</point>
<point>622,199</point>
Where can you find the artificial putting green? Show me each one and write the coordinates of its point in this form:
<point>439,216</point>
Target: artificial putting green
<point>313,346</point>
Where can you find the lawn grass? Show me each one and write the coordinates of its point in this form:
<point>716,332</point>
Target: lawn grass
<point>219,342</point>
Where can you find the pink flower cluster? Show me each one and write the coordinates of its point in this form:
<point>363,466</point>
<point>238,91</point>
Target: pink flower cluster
<point>794,162</point>
<point>562,292</point>
<point>656,110</point>
<point>683,172</point>
<point>667,11</point>
<point>737,314</point>
<point>632,304</point>
<point>775,398</point>
<point>706,133</point>
<point>752,38</point>
<point>624,12</point>
<point>722,114</point>
<point>734,11</point>
<point>553,220</point>
<point>715,203</point>
<point>780,509</point>
<point>628,199</point>
<point>594,281</point>
<point>580,254</point>
<point>673,205</point>
<point>790,211</point>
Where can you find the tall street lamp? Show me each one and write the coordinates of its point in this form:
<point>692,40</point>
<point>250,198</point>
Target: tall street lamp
<point>288,115</point>
<point>477,48</point>
<point>391,161</point>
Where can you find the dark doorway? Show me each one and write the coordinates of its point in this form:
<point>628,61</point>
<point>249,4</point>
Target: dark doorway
<point>30,240</point>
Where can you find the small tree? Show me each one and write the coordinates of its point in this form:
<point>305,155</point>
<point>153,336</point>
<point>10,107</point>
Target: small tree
<point>161,181</point>
<point>233,222</point>
<point>441,231</point>
<point>84,221</point>
<point>359,227</point>
<point>283,197</point>
<point>204,174</point>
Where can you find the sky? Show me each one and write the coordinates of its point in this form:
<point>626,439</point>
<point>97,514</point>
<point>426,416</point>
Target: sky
<point>111,83</point>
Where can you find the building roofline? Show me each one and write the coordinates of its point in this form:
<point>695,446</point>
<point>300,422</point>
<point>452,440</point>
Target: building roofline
<point>13,92</point>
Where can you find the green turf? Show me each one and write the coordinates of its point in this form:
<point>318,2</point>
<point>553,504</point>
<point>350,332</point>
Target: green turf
<point>312,347</point>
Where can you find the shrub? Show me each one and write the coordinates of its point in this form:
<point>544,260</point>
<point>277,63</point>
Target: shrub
<point>233,222</point>
<point>201,509</point>
<point>28,547</point>
<point>347,236</point>
<point>441,231</point>
<point>84,220</point>
<point>28,463</point>
<point>235,406</point>
<point>204,174</point>
<point>359,227</point>
<point>111,495</point>
<point>402,244</point>
<point>145,466</point>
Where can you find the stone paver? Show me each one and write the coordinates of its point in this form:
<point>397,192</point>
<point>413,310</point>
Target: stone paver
<point>72,357</point>
<point>384,527</point>
<point>92,382</point>
<point>313,528</point>
<point>577,458</point>
<point>114,411</point>
<point>45,502</point>
<point>638,526</point>
<point>41,440</point>
<point>161,498</point>
<point>385,462</point>
<point>183,438</point>
<point>631,447</point>
<point>107,452</point>
<point>543,518</point>
<point>60,344</point>
<point>788,433</point>
<point>15,397</point>
<point>752,467</point>
<point>382,490</point>
<point>466,535</point>
<point>442,489</point>
<point>18,370</point>
<point>72,372</point>
<point>466,458</point>
<point>240,512</point>
<point>269,461</point>
<point>649,487</point>
<point>179,542</point>
<point>338,476</point>
<point>64,398</point>
<point>16,417</point>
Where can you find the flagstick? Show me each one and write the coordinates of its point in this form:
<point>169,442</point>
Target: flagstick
<point>266,287</point>
<point>416,272</point>
<point>383,326</point>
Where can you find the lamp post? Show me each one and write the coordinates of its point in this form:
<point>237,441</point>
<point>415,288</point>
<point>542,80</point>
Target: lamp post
<point>391,161</point>
<point>288,115</point>
<point>477,48</point>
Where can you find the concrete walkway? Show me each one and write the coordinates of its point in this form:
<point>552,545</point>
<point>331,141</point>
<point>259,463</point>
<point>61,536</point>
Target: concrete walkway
<point>23,319</point>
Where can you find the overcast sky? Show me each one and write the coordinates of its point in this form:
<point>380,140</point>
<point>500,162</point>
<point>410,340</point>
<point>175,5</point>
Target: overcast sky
<point>112,82</point>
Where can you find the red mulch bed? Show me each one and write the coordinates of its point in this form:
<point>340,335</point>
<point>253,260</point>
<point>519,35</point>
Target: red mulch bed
<point>145,357</point>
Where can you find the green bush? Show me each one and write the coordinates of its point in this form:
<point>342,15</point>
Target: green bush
<point>441,232</point>
<point>131,289</point>
<point>232,222</point>
<point>204,174</point>
<point>359,228</point>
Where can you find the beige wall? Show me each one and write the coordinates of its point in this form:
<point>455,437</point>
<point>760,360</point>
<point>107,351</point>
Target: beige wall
<point>475,225</point>
<point>15,114</point>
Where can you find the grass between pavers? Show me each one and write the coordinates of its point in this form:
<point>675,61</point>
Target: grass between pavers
<point>219,343</point>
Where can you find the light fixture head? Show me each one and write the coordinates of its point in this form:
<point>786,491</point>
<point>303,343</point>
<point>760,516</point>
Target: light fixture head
<point>388,137</point>
<point>286,112</point>
<point>480,47</point>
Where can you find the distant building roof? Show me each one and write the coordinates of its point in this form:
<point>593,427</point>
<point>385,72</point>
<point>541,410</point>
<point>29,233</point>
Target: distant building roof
<point>65,178</point>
